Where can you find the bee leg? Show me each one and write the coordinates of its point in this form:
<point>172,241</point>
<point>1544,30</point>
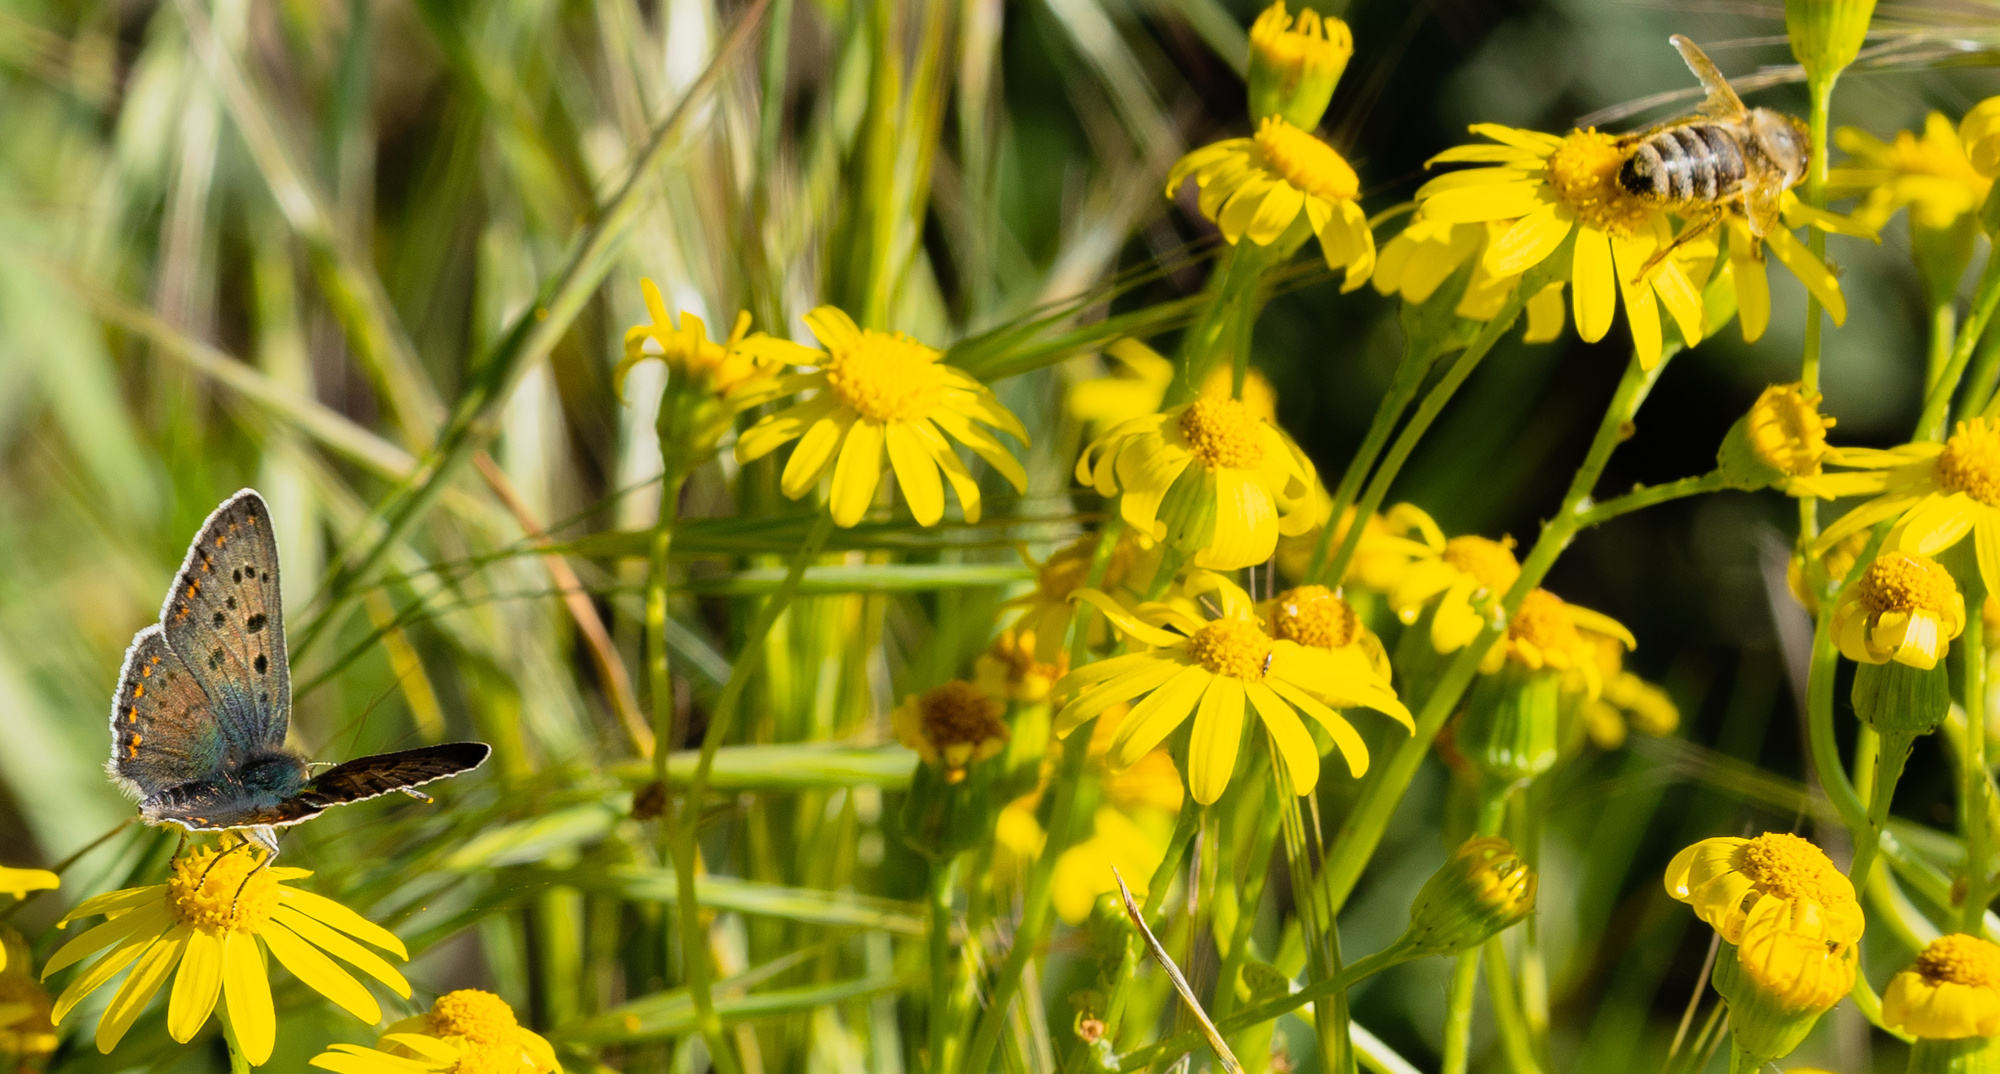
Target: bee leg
<point>1692,230</point>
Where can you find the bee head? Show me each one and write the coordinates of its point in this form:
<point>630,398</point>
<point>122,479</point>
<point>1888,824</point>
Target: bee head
<point>1783,140</point>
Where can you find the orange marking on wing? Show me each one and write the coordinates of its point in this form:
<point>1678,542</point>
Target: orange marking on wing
<point>147,671</point>
<point>133,751</point>
<point>131,714</point>
<point>139,690</point>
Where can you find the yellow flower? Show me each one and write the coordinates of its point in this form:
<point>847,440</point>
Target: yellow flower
<point>1780,443</point>
<point>464,1032</point>
<point>1775,882</point>
<point>1551,187</point>
<point>1139,382</point>
<point>1979,134</point>
<point>1951,991</point>
<point>1937,492</point>
<point>18,882</point>
<point>1209,476</point>
<point>1463,574</point>
<point>1217,671</point>
<point>1905,608</point>
<point>1011,669</point>
<point>26,1034</point>
<point>952,726</point>
<point>1626,701</point>
<point>1317,616</point>
<point>1047,608</point>
<point>1550,632</point>
<point>877,392</point>
<point>1930,173</point>
<point>206,920</point>
<point>1294,65</point>
<point>1796,972</point>
<point>1133,843</point>
<point>1426,253</point>
<point>1743,271</point>
<point>688,352</point>
<point>1258,186</point>
<point>1484,887</point>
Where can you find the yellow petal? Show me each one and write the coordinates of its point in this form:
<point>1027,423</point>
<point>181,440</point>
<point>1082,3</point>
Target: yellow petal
<point>1986,538</point>
<point>1218,730</point>
<point>1275,213</point>
<point>1127,623</point>
<point>150,919</point>
<point>320,973</point>
<point>814,453</point>
<point>1246,524</point>
<point>963,484</point>
<point>1546,315</point>
<point>1476,204</point>
<point>327,912</point>
<point>1352,749</point>
<point>1593,290</point>
<point>1529,241</point>
<point>856,473</point>
<point>1293,742</point>
<point>834,328</point>
<point>1810,271</point>
<point>113,902</point>
<point>1753,291</point>
<point>916,474</point>
<point>196,986</point>
<point>343,948</point>
<point>104,969</point>
<point>139,988</point>
<point>246,999</point>
<point>1642,313</point>
<point>1123,688</point>
<point>369,1061</point>
<point>1935,524</point>
<point>788,424</point>
<point>957,426</point>
<point>1155,717</point>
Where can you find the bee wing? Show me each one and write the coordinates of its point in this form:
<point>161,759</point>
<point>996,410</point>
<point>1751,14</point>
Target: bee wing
<point>1763,203</point>
<point>1722,100</point>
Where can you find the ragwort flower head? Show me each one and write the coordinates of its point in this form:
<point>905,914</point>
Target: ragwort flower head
<point>1209,477</point>
<point>689,355</point>
<point>1012,668</point>
<point>1218,671</point>
<point>1295,63</point>
<point>1627,701</point>
<point>1780,443</point>
<point>1979,136</point>
<point>1951,992</point>
<point>880,393</point>
<point>1775,881</point>
<point>1047,609</point>
<point>207,921</point>
<point>1549,632</point>
<point>1463,575</point>
<point>1938,493</point>
<point>464,1032</point>
<point>952,726</point>
<point>1929,173</point>
<point>1483,888</point>
<point>1905,608</point>
<point>1256,187</point>
<point>1426,253</point>
<point>1553,187</point>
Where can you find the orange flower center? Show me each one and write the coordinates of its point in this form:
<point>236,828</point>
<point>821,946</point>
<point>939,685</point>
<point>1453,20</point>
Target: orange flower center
<point>959,713</point>
<point>1491,563</point>
<point>1314,615</point>
<point>1223,433</point>
<point>886,376</point>
<point>1902,582</point>
<point>1305,162</point>
<point>222,891</point>
<point>1970,462</point>
<point>1583,172</point>
<point>1792,868</point>
<point>1232,647</point>
<point>1961,959</point>
<point>1544,622</point>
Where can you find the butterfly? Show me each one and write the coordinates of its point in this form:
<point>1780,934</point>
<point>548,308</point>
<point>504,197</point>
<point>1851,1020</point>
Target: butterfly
<point>198,723</point>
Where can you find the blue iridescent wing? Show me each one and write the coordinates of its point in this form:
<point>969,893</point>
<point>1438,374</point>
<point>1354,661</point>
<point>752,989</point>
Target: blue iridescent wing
<point>224,618</point>
<point>162,733</point>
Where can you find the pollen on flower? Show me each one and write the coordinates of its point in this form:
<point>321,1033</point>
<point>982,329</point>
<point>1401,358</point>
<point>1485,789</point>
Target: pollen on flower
<point>885,376</point>
<point>1970,462</point>
<point>479,1017</point>
<point>1544,621</point>
<point>1583,172</point>
<point>221,891</point>
<point>1315,615</point>
<point>1961,959</point>
<point>1232,647</point>
<point>1787,431</point>
<point>1305,162</point>
<point>1792,868</point>
<point>492,1059</point>
<point>1491,563</point>
<point>1903,582</point>
<point>1223,433</point>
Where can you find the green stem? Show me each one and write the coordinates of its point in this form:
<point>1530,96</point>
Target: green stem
<point>1465,970</point>
<point>1251,893</point>
<point>944,880</point>
<point>1944,332</point>
<point>1320,930</point>
<point>1980,381</point>
<point>1937,402</point>
<point>1427,412</point>
<point>1972,806</point>
<point>1821,91</point>
<point>1361,832</point>
<point>1741,1061</point>
<point>1508,1020</point>
<point>1895,753</point>
<point>750,658</point>
<point>658,673</point>
<point>1650,496</point>
<point>1410,372</point>
<point>1216,330</point>
<point>237,1063</point>
<point>1350,975</point>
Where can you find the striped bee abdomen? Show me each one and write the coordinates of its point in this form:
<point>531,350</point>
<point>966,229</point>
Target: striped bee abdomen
<point>1698,162</point>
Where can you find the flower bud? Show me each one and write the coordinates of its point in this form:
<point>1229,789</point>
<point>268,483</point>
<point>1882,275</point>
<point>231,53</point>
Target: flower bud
<point>1780,443</point>
<point>1826,34</point>
<point>1951,992</point>
<point>1509,730</point>
<point>1485,887</point>
<point>952,728</point>
<point>1294,65</point>
<point>1777,983</point>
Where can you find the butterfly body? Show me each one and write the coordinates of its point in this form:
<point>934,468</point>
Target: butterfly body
<point>204,701</point>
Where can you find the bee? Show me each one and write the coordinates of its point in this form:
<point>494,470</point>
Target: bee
<point>1724,155</point>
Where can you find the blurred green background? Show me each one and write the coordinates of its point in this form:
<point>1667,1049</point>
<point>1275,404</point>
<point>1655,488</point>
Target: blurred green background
<point>275,244</point>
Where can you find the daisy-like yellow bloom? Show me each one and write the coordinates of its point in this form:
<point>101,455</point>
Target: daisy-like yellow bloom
<point>206,920</point>
<point>1952,991</point>
<point>1010,668</point>
<point>1979,135</point>
<point>952,726</point>
<point>1464,575</point>
<point>1047,609</point>
<point>1295,63</point>
<point>1551,633</point>
<point>1930,173</point>
<point>689,354</point>
<point>1627,701</point>
<point>1780,443</point>
<point>1743,271</point>
<point>1774,882</point>
<point>1795,972</point>
<point>464,1032</point>
<point>1138,385</point>
<point>1426,253</point>
<point>1256,187</point>
<point>1217,672</point>
<point>1209,476</point>
<point>1390,544</point>
<point>1317,616</point>
<point>1905,608</point>
<point>1552,187</point>
<point>1938,493</point>
<point>878,393</point>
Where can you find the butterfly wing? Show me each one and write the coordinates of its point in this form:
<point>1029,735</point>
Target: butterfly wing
<point>371,777</point>
<point>224,618</point>
<point>161,732</point>
<point>216,805</point>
